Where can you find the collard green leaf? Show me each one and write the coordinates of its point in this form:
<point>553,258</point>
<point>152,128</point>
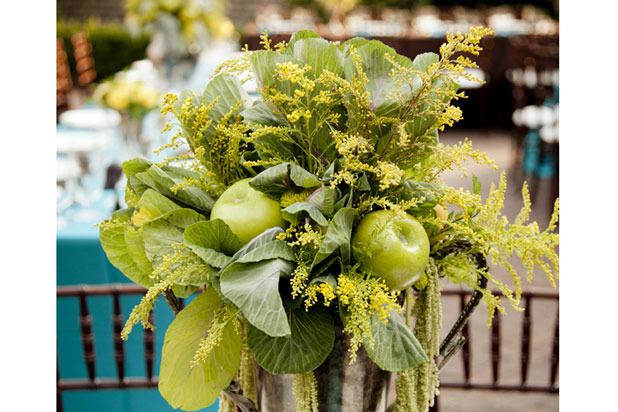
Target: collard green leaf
<point>297,36</point>
<point>355,42</point>
<point>381,85</point>
<point>428,193</point>
<point>423,61</point>
<point>264,65</point>
<point>338,236</point>
<point>137,185</point>
<point>254,289</point>
<point>114,244</point>
<point>318,53</point>
<point>195,388</point>
<point>163,179</point>
<point>276,249</point>
<point>160,234</point>
<point>150,206</point>
<point>297,212</point>
<point>309,344</point>
<point>395,346</point>
<point>330,279</point>
<point>135,166</point>
<point>324,199</point>
<point>135,248</point>
<point>261,113</point>
<point>276,180</point>
<point>263,238</point>
<point>229,92</point>
<point>213,241</point>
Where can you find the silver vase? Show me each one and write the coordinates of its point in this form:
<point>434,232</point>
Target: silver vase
<point>342,387</point>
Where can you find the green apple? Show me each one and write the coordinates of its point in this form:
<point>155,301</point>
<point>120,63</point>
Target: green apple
<point>391,246</point>
<point>248,212</point>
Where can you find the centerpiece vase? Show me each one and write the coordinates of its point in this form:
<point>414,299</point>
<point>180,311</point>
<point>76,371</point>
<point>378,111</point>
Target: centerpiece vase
<point>361,386</point>
<point>170,54</point>
<point>131,129</point>
<point>342,387</point>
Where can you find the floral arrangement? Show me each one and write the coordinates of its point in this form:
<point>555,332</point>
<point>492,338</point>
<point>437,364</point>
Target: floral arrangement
<point>134,98</point>
<point>315,210</point>
<point>194,21</point>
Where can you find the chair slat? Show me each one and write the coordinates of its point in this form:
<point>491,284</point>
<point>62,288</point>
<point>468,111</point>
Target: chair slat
<point>117,322</point>
<point>495,348</point>
<point>149,348</point>
<point>58,390</point>
<point>87,338</point>
<point>555,352</point>
<point>465,350</point>
<point>525,339</point>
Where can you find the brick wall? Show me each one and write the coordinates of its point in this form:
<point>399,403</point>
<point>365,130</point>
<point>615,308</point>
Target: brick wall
<point>240,11</point>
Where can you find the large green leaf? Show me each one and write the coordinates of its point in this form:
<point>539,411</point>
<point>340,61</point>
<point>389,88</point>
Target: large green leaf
<point>261,113</point>
<point>297,212</point>
<point>276,180</point>
<point>338,236</point>
<point>423,61</point>
<point>395,346</point>
<point>229,91</point>
<point>271,250</point>
<point>320,54</point>
<point>309,344</point>
<point>264,65</point>
<point>381,85</point>
<point>135,166</point>
<point>254,288</point>
<point>163,179</point>
<point>213,241</point>
<point>135,248</point>
<point>151,205</point>
<point>263,238</point>
<point>114,244</point>
<point>297,36</point>
<point>428,194</point>
<point>195,388</point>
<point>160,234</point>
<point>324,199</point>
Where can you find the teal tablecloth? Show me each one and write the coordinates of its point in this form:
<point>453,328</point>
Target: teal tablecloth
<point>81,260</point>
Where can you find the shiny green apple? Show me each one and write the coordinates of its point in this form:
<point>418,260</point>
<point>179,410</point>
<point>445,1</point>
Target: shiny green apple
<point>248,212</point>
<point>392,247</point>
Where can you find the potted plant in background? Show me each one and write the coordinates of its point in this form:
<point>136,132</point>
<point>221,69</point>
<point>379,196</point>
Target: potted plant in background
<point>315,220</point>
<point>179,31</point>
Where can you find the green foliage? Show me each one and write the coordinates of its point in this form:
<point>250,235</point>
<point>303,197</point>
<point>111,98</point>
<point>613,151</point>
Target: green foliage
<point>339,131</point>
<point>309,343</point>
<point>389,339</point>
<point>113,47</point>
<point>254,288</point>
<point>200,333</point>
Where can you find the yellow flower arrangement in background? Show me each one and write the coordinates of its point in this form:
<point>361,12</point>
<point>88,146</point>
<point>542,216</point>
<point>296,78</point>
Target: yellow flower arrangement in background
<point>196,19</point>
<point>133,97</point>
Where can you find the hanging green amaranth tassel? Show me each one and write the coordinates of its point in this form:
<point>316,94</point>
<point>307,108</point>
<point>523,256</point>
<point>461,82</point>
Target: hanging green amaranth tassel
<point>305,391</point>
<point>417,388</point>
